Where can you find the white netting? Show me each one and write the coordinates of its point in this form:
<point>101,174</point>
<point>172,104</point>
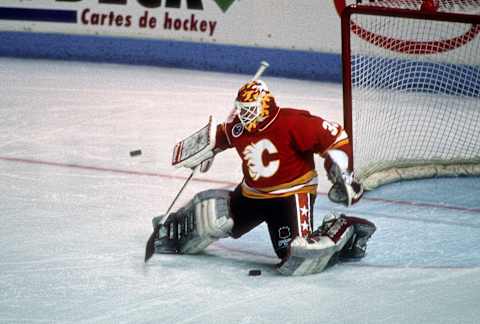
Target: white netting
<point>415,97</point>
<point>459,6</point>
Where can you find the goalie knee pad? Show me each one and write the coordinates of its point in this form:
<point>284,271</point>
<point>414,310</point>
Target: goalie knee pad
<point>212,213</point>
<point>205,219</point>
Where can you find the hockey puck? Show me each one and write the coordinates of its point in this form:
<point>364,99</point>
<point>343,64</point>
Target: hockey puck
<point>255,272</point>
<point>135,153</point>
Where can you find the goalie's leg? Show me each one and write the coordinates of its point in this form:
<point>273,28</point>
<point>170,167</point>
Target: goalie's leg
<point>339,237</point>
<point>356,247</point>
<point>205,219</point>
<point>288,218</point>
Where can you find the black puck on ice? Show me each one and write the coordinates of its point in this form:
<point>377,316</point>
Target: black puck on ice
<point>135,153</point>
<point>254,272</point>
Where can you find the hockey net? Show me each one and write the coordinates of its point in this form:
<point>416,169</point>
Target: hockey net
<point>411,78</point>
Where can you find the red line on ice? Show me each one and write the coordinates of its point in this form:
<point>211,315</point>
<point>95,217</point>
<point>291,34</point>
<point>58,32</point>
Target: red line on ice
<point>221,182</point>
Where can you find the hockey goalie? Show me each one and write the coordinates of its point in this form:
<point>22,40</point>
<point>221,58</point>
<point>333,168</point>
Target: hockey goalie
<point>276,147</point>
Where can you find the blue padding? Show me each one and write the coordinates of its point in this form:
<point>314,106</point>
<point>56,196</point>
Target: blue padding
<point>212,57</point>
<point>63,16</point>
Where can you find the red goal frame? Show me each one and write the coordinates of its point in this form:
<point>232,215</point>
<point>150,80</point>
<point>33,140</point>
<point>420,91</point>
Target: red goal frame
<point>348,28</point>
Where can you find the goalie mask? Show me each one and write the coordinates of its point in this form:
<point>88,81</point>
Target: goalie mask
<point>255,105</point>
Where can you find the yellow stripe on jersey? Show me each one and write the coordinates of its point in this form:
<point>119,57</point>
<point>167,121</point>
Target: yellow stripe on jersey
<point>304,184</point>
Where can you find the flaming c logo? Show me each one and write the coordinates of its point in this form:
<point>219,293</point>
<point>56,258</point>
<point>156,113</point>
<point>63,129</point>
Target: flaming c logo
<point>253,155</point>
<point>409,46</point>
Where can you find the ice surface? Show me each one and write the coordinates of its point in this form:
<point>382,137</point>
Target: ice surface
<point>76,211</point>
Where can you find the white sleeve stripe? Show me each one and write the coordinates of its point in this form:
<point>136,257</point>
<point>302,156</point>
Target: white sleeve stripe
<point>341,137</point>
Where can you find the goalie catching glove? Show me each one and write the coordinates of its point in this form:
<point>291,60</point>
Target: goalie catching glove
<point>202,221</point>
<point>345,189</point>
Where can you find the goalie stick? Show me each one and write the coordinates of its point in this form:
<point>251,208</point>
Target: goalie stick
<point>183,156</point>
<point>263,66</point>
<point>150,246</point>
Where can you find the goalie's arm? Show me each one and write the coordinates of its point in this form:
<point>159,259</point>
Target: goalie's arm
<point>331,142</point>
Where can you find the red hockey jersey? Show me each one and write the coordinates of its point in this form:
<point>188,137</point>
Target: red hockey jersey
<point>278,159</point>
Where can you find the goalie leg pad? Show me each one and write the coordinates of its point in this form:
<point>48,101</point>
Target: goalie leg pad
<point>313,254</point>
<point>202,221</point>
<point>356,248</point>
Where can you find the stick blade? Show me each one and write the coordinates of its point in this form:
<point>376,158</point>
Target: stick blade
<point>150,246</point>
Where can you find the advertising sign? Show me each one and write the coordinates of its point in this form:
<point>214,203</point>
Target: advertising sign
<point>300,24</point>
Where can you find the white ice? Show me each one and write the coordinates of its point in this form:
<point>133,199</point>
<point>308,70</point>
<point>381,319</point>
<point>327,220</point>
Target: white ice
<point>76,211</point>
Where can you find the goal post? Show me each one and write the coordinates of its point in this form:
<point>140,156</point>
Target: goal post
<point>411,89</point>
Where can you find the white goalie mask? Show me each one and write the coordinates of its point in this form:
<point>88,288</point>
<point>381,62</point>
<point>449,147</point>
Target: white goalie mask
<point>252,103</point>
<point>248,112</point>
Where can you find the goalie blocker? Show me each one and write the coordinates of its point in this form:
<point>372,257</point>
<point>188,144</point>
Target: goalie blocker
<point>197,149</point>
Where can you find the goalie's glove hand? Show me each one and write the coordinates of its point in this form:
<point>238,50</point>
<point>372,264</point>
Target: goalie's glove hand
<point>205,165</point>
<point>345,189</point>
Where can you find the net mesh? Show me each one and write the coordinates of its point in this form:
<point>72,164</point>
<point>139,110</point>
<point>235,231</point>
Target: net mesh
<point>451,6</point>
<point>415,97</point>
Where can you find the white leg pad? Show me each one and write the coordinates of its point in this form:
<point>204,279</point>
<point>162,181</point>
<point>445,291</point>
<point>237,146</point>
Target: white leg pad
<point>211,212</point>
<point>202,221</point>
<point>312,255</point>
